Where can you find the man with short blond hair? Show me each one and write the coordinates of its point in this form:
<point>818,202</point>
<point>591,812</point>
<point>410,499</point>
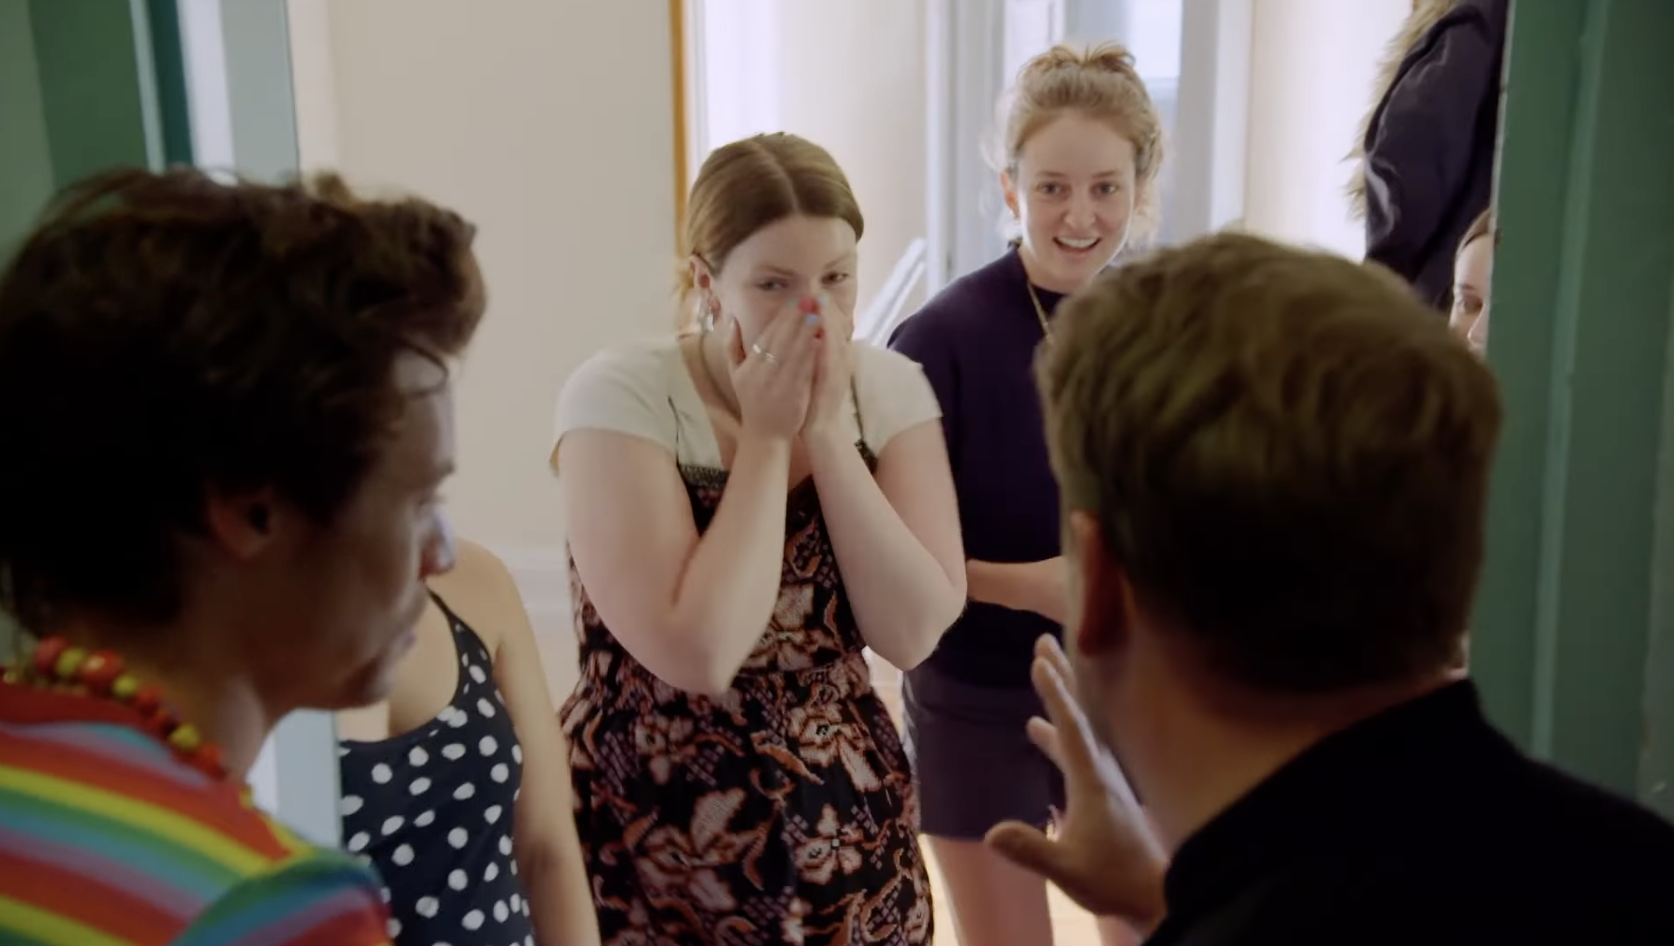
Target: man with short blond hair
<point>1274,466</point>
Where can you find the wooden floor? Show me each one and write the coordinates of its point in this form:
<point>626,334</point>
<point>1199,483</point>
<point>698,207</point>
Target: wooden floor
<point>1071,925</point>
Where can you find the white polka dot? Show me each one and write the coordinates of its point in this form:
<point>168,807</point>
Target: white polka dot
<point>505,844</point>
<point>514,874</point>
<point>500,772</point>
<point>358,842</point>
<point>403,855</point>
<point>485,708</point>
<point>458,718</point>
<point>464,791</point>
<point>500,911</point>
<point>382,773</point>
<point>478,674</point>
<point>488,745</point>
<point>393,824</point>
<point>457,837</point>
<point>394,927</point>
<point>472,920</point>
<point>418,756</point>
<point>492,814</point>
<point>457,879</point>
<point>342,751</point>
<point>517,754</point>
<point>426,907</point>
<point>530,939</point>
<point>349,805</point>
<point>492,871</point>
<point>517,901</point>
<point>385,893</point>
<point>518,793</point>
<point>420,786</point>
<point>424,820</point>
<point>453,752</point>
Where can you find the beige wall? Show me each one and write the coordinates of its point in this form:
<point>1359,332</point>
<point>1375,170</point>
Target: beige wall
<point>853,81</point>
<point>557,141</point>
<point>1311,73</point>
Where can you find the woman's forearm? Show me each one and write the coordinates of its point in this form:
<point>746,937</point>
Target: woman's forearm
<point>726,595</point>
<point>903,599</point>
<point>1037,587</point>
<point>560,898</point>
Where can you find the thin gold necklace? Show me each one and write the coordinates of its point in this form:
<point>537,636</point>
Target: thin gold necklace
<point>1040,310</point>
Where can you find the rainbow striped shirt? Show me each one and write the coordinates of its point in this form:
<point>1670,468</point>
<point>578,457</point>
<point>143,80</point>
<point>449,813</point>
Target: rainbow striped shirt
<point>106,839</point>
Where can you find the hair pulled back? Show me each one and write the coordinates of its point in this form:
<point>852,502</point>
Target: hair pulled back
<point>747,185</point>
<point>1098,81</point>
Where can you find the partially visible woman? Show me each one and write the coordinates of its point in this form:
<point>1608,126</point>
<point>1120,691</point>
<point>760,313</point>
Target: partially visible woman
<point>751,503</point>
<point>1472,267</point>
<point>457,786</point>
<point>1425,155</point>
<point>1078,161</point>
<point>226,412</point>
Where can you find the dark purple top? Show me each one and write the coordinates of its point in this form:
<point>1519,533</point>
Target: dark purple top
<point>976,341</point>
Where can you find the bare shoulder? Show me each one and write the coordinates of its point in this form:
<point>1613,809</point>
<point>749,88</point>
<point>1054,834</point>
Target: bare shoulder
<point>481,591</point>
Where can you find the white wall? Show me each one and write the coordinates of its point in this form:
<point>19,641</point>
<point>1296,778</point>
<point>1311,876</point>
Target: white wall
<point>1311,73</point>
<point>550,125</point>
<point>848,76</point>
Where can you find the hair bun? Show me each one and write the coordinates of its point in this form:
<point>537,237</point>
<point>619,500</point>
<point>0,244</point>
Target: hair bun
<point>1098,57</point>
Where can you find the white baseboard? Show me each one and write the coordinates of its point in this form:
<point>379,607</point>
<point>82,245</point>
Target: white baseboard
<point>542,574</point>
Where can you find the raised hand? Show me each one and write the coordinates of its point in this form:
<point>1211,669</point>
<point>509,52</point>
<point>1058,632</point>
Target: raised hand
<point>773,376</point>
<point>1103,853</point>
<point>833,371</point>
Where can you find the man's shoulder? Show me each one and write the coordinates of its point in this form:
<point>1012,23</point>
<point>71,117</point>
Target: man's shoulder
<point>316,897</point>
<point>107,830</point>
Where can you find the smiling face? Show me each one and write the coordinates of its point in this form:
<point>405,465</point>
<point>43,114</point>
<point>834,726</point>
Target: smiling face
<point>1073,190</point>
<point>788,260</point>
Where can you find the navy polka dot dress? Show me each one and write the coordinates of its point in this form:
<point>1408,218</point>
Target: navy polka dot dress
<point>431,811</point>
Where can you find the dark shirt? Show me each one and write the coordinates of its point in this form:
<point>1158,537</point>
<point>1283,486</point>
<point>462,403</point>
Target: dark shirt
<point>1430,147</point>
<point>976,341</point>
<point>1423,826</point>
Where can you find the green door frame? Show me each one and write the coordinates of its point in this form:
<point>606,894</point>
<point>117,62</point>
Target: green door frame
<point>87,86</point>
<point>1571,644</point>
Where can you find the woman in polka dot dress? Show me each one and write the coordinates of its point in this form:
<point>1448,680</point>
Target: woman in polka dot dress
<point>474,839</point>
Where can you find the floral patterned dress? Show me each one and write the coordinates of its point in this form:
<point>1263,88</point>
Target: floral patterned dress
<point>780,812</point>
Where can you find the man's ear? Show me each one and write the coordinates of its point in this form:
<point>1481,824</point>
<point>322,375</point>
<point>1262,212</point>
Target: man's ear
<point>1102,605</point>
<point>244,524</point>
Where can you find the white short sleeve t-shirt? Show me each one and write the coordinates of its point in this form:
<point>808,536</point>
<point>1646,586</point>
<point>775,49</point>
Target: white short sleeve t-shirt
<point>643,389</point>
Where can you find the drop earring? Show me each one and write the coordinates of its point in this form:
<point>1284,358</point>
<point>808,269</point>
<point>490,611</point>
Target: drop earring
<point>709,316</point>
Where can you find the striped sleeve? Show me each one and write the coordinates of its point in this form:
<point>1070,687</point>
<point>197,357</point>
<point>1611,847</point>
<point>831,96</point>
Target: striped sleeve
<point>319,899</point>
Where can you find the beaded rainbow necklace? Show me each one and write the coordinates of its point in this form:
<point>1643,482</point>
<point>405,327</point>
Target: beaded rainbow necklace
<point>60,666</point>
